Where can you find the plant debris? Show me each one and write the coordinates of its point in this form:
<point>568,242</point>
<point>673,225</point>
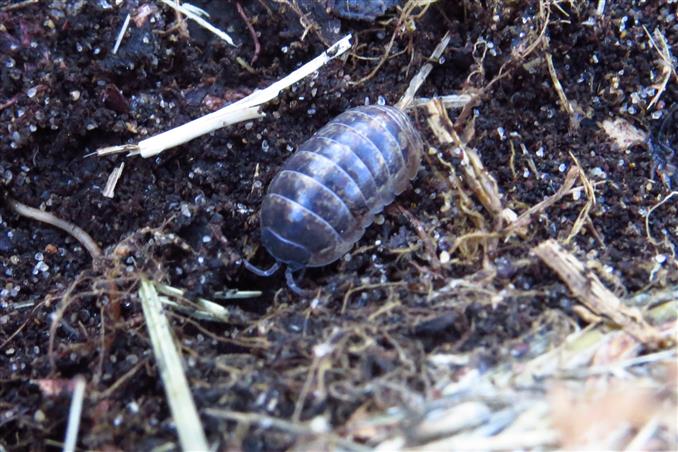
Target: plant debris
<point>521,295</point>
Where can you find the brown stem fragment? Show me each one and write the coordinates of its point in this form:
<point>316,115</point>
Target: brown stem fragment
<point>588,289</point>
<point>526,217</point>
<point>480,181</point>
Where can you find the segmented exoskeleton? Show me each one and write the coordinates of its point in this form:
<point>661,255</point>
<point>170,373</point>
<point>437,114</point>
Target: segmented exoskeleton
<point>330,189</point>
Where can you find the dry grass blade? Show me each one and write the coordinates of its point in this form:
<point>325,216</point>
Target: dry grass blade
<point>295,428</point>
<point>584,217</point>
<point>665,62</point>
<point>242,110</point>
<point>193,13</point>
<point>112,182</point>
<point>448,101</point>
<point>121,33</point>
<point>170,367</point>
<point>421,76</point>
<point>588,289</point>
<point>194,129</point>
<point>649,212</point>
<point>600,9</point>
<point>564,103</point>
<point>204,309</point>
<point>74,414</point>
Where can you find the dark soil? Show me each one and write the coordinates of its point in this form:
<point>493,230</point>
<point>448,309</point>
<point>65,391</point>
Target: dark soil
<point>189,216</point>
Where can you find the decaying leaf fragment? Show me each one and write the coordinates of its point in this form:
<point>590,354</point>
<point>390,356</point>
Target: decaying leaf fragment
<point>623,133</point>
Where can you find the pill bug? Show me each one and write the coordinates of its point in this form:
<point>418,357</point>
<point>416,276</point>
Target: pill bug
<point>325,195</point>
<point>365,10</point>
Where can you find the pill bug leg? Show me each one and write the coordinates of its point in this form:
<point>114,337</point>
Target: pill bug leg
<point>663,155</point>
<point>294,287</point>
<point>263,272</point>
<point>289,277</point>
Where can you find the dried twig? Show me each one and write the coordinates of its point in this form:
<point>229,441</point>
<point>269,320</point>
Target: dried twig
<point>204,309</point>
<point>423,73</point>
<point>448,101</point>
<point>584,216</point>
<point>305,20</point>
<point>479,180</point>
<point>405,15</point>
<point>58,317</point>
<point>588,289</point>
<point>564,103</point>
<point>665,61</point>
<point>525,218</point>
<point>127,376</point>
<point>649,212</point>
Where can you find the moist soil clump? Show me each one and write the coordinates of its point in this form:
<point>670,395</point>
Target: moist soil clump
<point>408,292</point>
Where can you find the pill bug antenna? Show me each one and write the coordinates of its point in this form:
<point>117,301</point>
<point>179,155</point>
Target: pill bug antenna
<point>263,272</point>
<point>294,287</point>
<point>661,133</point>
<point>659,145</point>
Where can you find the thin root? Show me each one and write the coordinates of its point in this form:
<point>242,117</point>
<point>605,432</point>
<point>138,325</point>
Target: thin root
<point>250,27</point>
<point>36,214</point>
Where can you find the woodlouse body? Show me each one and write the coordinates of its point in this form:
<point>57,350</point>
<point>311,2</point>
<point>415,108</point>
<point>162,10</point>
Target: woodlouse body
<point>330,189</point>
<point>366,10</point>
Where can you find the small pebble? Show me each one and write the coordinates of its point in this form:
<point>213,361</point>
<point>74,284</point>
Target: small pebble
<point>444,257</point>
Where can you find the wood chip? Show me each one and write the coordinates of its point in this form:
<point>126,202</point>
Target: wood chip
<point>109,190</point>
